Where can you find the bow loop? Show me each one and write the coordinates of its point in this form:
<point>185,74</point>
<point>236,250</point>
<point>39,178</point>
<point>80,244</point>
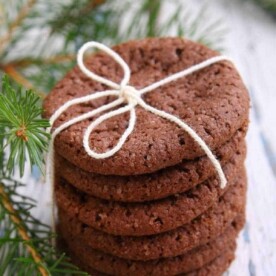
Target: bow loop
<point>128,108</point>
<point>111,53</point>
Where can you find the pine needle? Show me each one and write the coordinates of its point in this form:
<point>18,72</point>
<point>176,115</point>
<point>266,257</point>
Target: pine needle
<point>10,70</point>
<point>22,231</point>
<point>24,11</point>
<point>25,247</point>
<point>23,129</point>
<point>62,27</point>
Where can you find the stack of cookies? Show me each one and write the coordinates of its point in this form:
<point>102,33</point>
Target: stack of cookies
<point>155,207</point>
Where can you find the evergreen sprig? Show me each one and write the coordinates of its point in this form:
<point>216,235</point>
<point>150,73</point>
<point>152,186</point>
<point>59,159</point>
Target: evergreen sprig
<point>23,129</point>
<point>59,28</point>
<point>25,242</point>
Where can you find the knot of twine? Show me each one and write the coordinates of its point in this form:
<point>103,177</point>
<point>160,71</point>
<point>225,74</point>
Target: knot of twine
<point>131,97</point>
<point>129,94</point>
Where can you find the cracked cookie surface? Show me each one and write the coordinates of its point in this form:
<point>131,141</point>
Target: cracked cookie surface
<point>215,267</point>
<point>192,260</point>
<point>213,101</point>
<point>146,218</point>
<point>139,188</point>
<point>172,243</point>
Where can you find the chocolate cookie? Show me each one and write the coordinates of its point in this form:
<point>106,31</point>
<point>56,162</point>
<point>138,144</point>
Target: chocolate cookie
<point>213,101</point>
<point>163,183</point>
<point>147,218</point>
<point>190,261</point>
<point>173,243</point>
<point>215,268</point>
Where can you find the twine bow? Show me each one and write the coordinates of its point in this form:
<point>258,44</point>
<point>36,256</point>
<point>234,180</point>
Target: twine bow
<point>131,97</point>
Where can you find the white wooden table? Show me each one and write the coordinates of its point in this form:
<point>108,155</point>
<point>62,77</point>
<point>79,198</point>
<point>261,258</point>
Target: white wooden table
<point>251,41</point>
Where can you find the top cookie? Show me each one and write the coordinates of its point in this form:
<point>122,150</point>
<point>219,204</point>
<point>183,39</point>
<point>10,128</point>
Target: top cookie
<point>213,101</point>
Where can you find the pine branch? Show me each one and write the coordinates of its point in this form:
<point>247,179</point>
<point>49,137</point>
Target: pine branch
<point>154,9</point>
<point>10,70</point>
<point>25,247</point>
<point>22,231</point>
<point>25,62</point>
<point>18,20</point>
<point>23,129</point>
<point>71,14</point>
<point>70,25</point>
<point>25,242</point>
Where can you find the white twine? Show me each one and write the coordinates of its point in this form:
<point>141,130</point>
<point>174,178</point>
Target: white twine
<point>125,94</point>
